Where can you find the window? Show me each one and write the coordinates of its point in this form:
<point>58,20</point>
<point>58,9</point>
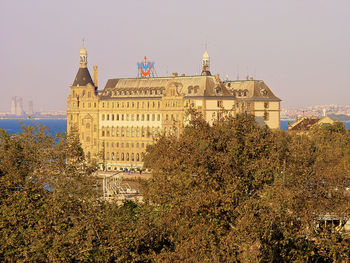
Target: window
<point>112,117</point>
<point>107,131</point>
<point>153,117</point>
<point>137,132</point>
<point>147,117</point>
<point>190,89</point>
<point>117,131</point>
<point>122,132</point>
<point>132,132</point>
<point>219,103</point>
<point>137,117</point>
<point>266,105</point>
<point>132,157</point>
<point>142,117</point>
<point>122,156</point>
<point>266,116</point>
<point>112,155</point>
<point>113,132</point>
<point>127,156</point>
<point>143,132</point>
<point>117,156</point>
<point>107,117</point>
<point>117,117</point>
<point>103,117</point>
<point>127,131</point>
<point>158,117</point>
<point>137,157</point>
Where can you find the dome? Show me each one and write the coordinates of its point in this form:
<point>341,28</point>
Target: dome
<point>205,55</point>
<point>82,50</point>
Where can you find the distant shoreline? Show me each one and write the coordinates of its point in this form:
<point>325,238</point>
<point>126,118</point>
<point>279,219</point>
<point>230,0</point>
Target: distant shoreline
<point>37,118</point>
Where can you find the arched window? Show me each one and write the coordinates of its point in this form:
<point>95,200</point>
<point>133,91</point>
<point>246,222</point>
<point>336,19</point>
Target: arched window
<point>148,132</point>
<point>113,132</point>
<point>112,155</point>
<point>132,157</point>
<point>122,157</point>
<point>117,156</point>
<point>137,157</point>
<point>153,132</point>
<point>143,131</point>
<point>117,131</point>
<point>107,131</point>
<point>132,132</point>
<point>122,132</point>
<point>107,117</point>
<point>127,156</point>
<point>190,88</point>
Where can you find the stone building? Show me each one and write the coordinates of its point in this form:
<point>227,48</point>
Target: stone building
<point>117,123</point>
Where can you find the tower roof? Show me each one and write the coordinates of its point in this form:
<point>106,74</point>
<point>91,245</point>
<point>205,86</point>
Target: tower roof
<point>83,77</point>
<point>205,55</point>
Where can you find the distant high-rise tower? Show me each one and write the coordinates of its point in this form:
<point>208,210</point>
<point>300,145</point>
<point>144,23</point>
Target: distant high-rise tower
<point>30,108</point>
<point>13,105</point>
<point>206,64</point>
<point>19,106</point>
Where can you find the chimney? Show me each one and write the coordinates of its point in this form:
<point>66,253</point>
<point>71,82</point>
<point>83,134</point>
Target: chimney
<point>95,75</point>
<point>175,74</point>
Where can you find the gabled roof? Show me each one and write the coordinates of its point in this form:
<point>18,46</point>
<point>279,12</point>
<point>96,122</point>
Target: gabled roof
<point>82,78</point>
<point>255,89</point>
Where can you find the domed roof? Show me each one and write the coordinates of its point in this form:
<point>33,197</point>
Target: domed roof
<point>205,55</point>
<point>82,50</point>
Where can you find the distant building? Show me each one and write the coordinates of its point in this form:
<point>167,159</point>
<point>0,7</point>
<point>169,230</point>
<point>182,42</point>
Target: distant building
<point>30,108</point>
<point>304,124</point>
<point>13,105</point>
<point>117,123</point>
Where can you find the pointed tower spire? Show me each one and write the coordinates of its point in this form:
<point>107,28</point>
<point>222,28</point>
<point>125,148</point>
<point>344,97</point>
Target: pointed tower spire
<point>83,76</point>
<point>206,64</point>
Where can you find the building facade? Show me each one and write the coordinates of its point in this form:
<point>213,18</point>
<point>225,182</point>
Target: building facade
<point>117,123</point>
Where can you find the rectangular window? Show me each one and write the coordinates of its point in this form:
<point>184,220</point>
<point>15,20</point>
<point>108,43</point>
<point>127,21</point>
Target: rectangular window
<point>219,103</point>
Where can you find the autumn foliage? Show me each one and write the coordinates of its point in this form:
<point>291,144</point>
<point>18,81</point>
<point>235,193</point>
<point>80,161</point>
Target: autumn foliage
<point>228,192</point>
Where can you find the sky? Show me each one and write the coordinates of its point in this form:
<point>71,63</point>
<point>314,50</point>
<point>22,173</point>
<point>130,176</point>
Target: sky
<point>301,49</point>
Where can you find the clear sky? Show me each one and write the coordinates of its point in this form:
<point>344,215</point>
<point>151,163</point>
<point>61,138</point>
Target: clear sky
<point>301,49</point>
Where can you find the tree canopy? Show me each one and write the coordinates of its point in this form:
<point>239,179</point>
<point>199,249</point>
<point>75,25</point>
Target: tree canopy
<point>232,191</point>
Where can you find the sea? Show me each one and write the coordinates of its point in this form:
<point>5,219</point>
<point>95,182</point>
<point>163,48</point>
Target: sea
<point>13,126</point>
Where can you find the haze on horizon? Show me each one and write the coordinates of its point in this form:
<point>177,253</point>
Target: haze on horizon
<point>301,49</point>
